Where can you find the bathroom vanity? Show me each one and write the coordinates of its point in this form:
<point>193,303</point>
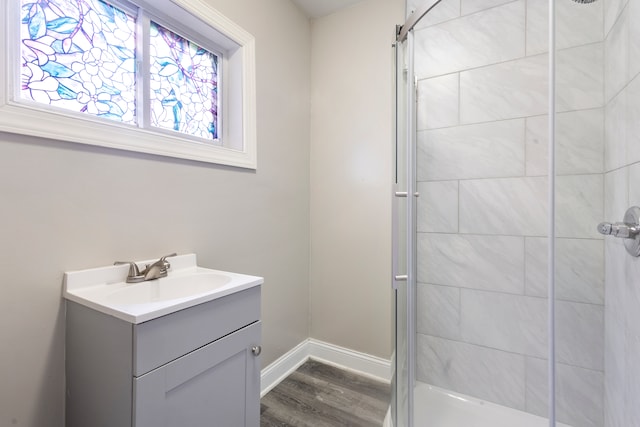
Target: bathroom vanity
<point>157,355</point>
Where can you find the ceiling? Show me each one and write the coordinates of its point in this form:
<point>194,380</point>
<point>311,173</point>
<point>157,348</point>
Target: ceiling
<point>318,8</point>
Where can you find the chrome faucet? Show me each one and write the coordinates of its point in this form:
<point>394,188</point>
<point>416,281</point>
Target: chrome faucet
<point>151,271</point>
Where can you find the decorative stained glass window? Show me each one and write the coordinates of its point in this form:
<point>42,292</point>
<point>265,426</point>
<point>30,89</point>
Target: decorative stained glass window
<point>137,75</point>
<point>79,55</point>
<point>184,84</point>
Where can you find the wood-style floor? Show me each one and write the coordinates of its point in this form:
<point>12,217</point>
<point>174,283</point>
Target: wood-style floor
<point>319,395</point>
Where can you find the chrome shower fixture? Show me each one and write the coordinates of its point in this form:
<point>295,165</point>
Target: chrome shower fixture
<point>584,1</point>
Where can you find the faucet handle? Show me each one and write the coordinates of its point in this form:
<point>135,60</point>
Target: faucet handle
<point>164,261</point>
<point>168,256</point>
<point>133,268</point>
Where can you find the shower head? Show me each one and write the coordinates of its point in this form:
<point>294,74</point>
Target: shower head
<point>584,1</point>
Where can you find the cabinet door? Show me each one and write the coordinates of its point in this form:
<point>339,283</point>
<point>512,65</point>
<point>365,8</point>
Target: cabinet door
<point>217,385</point>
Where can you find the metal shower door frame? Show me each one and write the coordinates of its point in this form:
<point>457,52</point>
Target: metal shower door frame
<point>405,272</point>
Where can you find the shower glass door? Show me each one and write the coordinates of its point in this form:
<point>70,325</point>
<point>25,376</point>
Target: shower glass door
<point>515,301</point>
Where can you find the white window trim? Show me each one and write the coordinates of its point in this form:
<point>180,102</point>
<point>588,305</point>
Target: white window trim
<point>240,100</point>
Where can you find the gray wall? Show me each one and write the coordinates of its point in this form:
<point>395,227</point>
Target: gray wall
<point>482,221</point>
<point>66,206</point>
<point>351,175</point>
<point>622,189</point>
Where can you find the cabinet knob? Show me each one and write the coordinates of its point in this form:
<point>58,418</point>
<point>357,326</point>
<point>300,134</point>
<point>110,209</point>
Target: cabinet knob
<point>256,350</point>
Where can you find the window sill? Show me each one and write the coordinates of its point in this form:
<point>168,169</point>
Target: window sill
<point>35,122</point>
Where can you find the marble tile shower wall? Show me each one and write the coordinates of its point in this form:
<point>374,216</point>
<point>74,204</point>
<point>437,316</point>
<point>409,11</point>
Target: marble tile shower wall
<point>482,221</point>
<point>622,189</point>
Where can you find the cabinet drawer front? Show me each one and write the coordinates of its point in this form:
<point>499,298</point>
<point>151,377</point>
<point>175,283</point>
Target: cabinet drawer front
<point>217,385</point>
<point>164,339</point>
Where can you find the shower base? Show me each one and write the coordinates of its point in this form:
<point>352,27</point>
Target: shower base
<point>436,407</point>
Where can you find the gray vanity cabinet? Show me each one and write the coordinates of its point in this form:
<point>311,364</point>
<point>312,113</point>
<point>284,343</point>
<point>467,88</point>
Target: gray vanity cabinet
<point>210,387</point>
<point>193,368</point>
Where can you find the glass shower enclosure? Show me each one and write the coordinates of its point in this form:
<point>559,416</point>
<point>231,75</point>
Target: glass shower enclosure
<point>516,135</point>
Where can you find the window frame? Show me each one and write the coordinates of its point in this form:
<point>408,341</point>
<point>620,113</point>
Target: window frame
<point>191,19</point>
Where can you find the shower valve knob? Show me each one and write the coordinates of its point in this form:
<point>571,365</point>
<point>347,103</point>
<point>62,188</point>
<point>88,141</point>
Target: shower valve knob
<point>628,229</point>
<point>605,228</point>
<point>619,229</point>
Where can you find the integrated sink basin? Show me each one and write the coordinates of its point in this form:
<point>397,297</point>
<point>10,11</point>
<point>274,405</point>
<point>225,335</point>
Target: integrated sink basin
<point>169,288</point>
<point>104,289</point>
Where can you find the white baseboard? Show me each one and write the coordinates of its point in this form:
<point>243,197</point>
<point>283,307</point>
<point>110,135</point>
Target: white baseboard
<point>362,363</point>
<point>280,369</point>
<point>388,422</point>
<point>328,353</point>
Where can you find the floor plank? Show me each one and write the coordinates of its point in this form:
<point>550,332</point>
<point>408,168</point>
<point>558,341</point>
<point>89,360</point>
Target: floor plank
<point>319,395</point>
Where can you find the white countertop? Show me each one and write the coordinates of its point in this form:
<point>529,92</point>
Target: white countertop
<point>104,289</point>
